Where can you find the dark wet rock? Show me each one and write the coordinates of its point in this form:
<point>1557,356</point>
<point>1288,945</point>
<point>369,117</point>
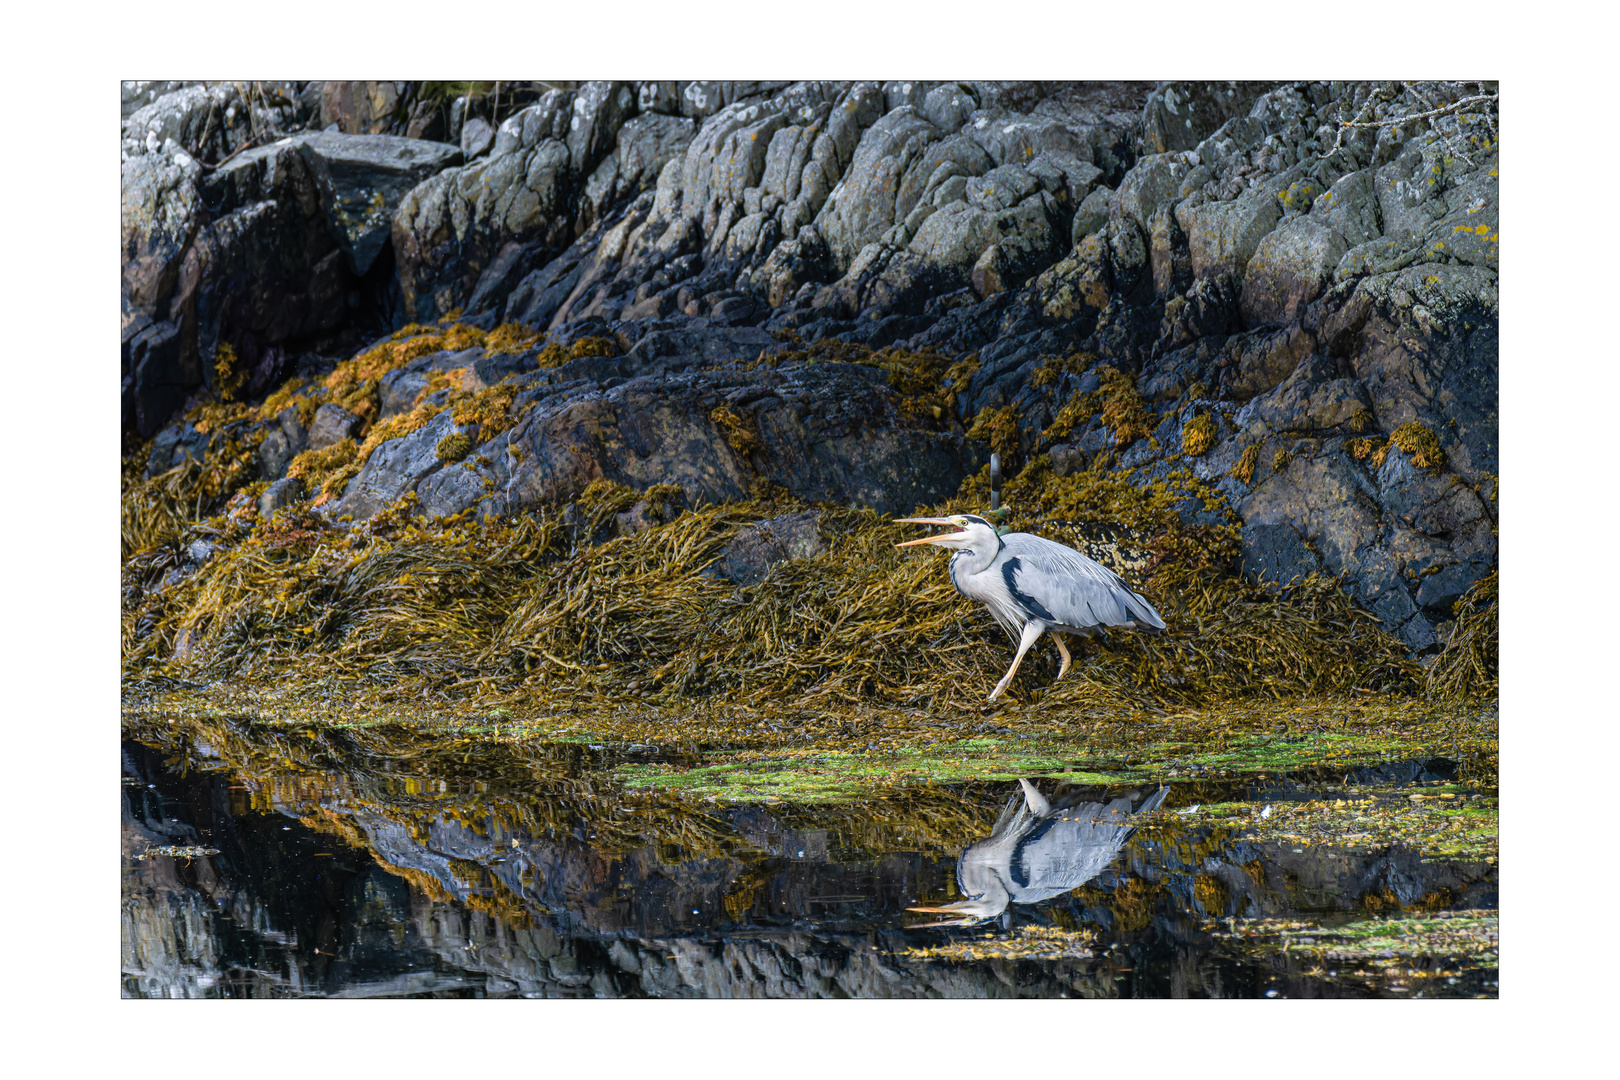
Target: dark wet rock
<point>175,445</point>
<point>263,253</point>
<point>1261,361</point>
<point>825,432</point>
<point>284,492</point>
<point>1277,554</point>
<point>755,550</point>
<point>1315,397</point>
<point>397,466</point>
<point>361,179</point>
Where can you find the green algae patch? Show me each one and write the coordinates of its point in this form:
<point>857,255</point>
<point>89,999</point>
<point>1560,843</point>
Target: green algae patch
<point>830,776</point>
<point>1396,955</point>
<point>1025,943</point>
<point>1438,823</point>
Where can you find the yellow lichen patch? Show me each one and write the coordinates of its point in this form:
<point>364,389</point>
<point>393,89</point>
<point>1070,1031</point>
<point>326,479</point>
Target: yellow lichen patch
<point>489,409</point>
<point>228,380</point>
<point>998,427</point>
<point>1243,471</point>
<point>740,434</point>
<point>1077,410</point>
<point>1280,460</point>
<point>1198,435</point>
<point>556,355</point>
<point>314,466</point>
<point>1420,444</point>
<point>453,447</point>
<point>1124,413</point>
<point>1361,449</point>
<point>511,338</point>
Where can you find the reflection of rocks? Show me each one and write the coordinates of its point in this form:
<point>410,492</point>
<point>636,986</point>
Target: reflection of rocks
<point>437,905</point>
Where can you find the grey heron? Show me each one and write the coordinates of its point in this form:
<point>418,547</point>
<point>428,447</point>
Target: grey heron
<point>1035,853</point>
<point>1033,585</point>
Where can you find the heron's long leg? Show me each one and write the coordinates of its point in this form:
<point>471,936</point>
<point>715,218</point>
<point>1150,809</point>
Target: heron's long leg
<point>1063,669</point>
<point>1032,630</point>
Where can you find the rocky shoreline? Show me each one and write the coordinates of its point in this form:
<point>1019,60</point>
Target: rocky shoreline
<point>348,300</point>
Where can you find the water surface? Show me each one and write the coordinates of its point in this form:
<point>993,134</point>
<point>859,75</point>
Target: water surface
<point>404,878</point>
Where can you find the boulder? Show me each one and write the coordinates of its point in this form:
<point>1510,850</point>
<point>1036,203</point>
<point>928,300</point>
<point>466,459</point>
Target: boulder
<point>1222,236</point>
<point>1314,397</point>
<point>332,424</point>
<point>282,493</point>
<point>753,551</point>
<point>1289,269</point>
<point>825,432</point>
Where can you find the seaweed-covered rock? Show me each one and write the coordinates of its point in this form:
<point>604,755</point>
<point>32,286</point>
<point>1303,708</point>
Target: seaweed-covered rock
<point>753,551</point>
<point>823,432</point>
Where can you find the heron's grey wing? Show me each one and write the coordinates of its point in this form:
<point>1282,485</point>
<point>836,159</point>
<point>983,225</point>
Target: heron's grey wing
<point>1071,589</point>
<point>1068,850</point>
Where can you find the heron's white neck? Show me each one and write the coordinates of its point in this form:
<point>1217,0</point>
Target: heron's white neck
<point>977,559</point>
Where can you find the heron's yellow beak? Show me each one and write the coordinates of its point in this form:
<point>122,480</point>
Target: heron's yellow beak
<point>927,521</point>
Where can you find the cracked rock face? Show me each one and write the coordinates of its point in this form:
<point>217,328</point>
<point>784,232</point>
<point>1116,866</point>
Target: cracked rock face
<point>1314,287</point>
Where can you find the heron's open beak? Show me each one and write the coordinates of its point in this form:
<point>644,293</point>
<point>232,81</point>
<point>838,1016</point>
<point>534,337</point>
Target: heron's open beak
<point>962,909</point>
<point>926,521</point>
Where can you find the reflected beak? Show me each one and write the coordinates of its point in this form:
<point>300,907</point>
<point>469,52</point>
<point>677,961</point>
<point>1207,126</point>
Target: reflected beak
<point>957,909</point>
<point>926,539</point>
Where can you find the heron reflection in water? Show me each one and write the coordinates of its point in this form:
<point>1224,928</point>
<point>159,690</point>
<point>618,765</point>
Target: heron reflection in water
<point>1036,852</point>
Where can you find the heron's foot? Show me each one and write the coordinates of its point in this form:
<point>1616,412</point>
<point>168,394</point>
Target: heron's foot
<point>1000,686</point>
<point>1063,650</point>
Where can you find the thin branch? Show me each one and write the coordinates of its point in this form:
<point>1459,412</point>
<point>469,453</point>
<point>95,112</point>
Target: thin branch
<point>1397,121</point>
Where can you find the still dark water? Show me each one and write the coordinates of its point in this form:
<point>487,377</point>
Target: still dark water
<point>340,893</point>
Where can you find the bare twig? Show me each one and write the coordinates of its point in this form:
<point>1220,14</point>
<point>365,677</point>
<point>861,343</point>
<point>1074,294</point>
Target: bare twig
<point>1397,121</point>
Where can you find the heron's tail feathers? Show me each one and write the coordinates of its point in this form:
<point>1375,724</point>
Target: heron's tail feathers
<point>1143,614</point>
<point>1034,800</point>
<point>1154,801</point>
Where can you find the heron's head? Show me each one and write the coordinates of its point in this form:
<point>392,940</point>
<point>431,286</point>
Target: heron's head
<point>964,912</point>
<point>962,531</point>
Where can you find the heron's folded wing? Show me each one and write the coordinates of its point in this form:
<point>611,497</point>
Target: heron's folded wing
<point>1073,589</point>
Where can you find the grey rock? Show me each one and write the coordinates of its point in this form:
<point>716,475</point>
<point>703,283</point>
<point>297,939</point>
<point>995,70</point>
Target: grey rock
<point>827,432</point>
<point>753,551</point>
<point>396,467</point>
<point>1091,215</point>
<point>1314,397</point>
<point>283,492</point>
<point>1223,236</point>
<point>1151,180</point>
<point>476,138</point>
<point>1276,554</point>
<point>1350,208</point>
<point>332,424</point>
<point>1289,269</point>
